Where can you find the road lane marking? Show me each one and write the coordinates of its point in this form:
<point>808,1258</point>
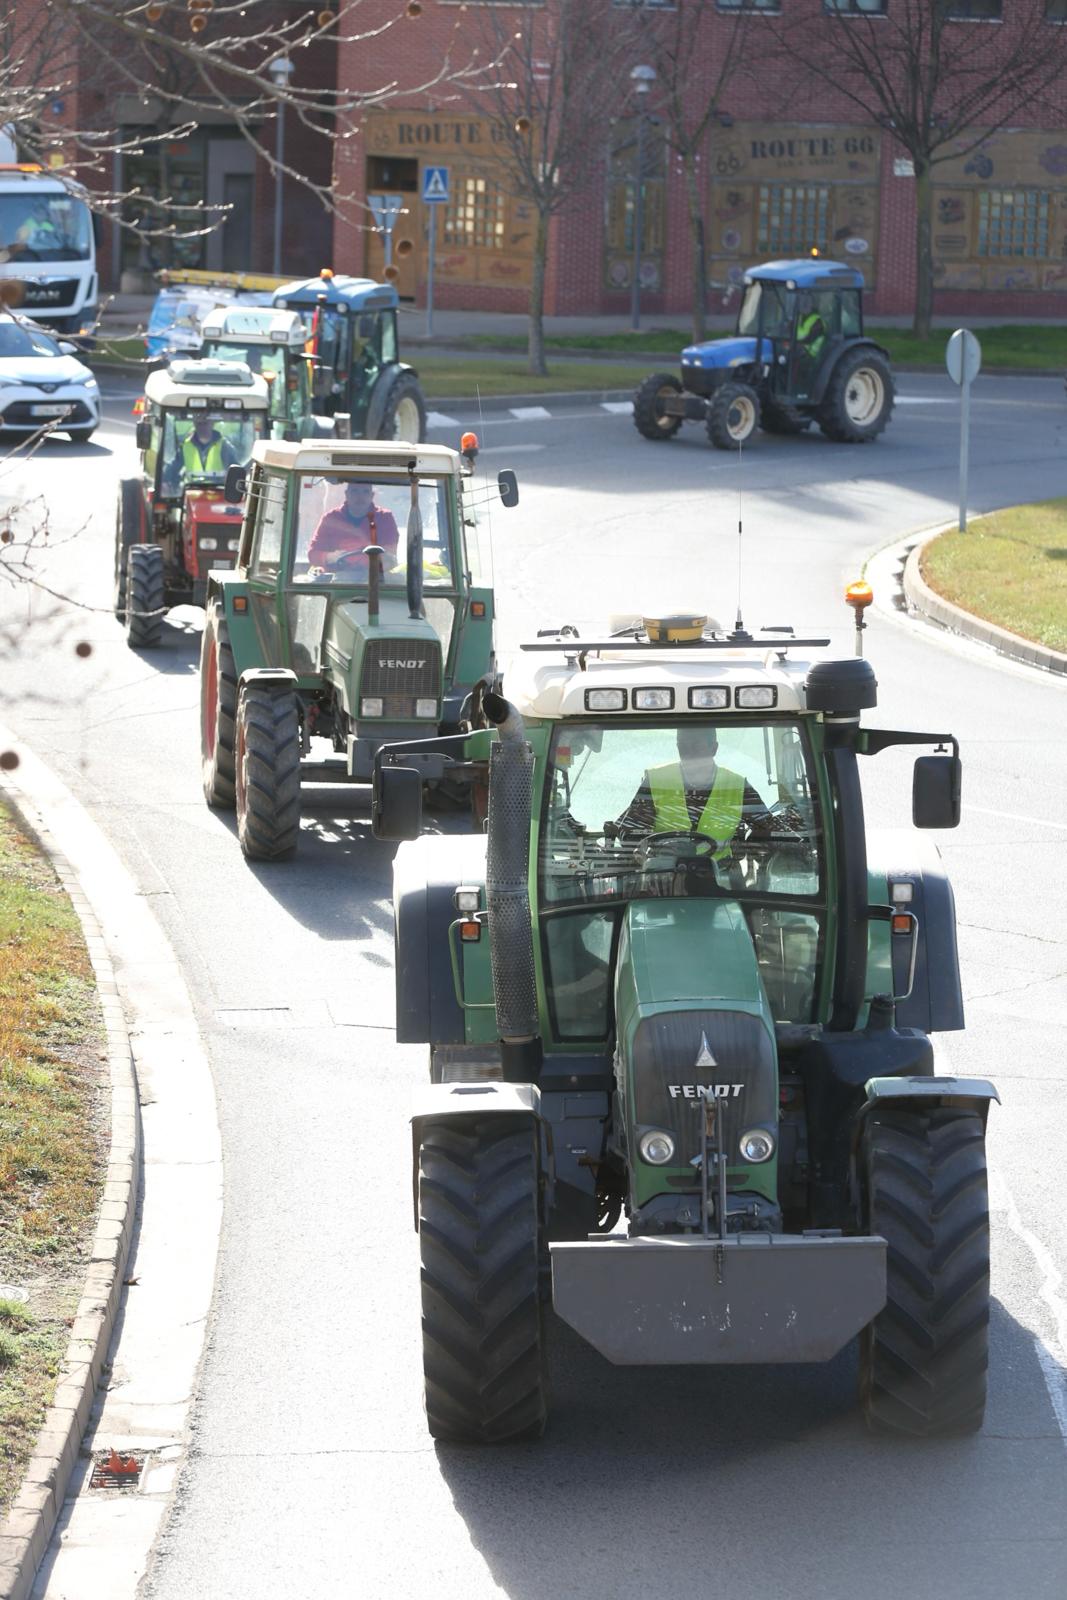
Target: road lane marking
<point>1015,816</point>
<point>529,413</point>
<point>618,408</point>
<point>437,419</point>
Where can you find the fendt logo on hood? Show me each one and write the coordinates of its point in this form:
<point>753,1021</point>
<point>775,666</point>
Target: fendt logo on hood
<point>705,1091</point>
<point>402,666</point>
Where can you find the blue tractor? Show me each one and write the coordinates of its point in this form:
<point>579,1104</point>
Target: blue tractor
<point>355,354</point>
<point>799,356</point>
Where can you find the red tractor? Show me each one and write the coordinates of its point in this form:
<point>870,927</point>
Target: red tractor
<point>174,526</point>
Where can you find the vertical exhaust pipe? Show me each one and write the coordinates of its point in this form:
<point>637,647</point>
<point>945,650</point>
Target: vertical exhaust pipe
<point>414,545</point>
<point>373,553</point>
<point>507,893</point>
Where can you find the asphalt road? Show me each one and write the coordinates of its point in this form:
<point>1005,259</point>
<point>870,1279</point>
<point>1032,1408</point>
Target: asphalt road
<point>311,1471</point>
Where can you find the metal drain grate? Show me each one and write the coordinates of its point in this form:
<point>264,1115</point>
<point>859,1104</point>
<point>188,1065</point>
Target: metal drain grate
<point>113,1470</point>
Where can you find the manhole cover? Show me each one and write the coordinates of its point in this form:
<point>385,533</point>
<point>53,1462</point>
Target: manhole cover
<point>14,1291</point>
<point>113,1470</point>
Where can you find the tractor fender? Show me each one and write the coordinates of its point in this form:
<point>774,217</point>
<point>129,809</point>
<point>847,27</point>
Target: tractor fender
<point>269,677</point>
<point>830,367</point>
<point>936,1001</point>
<point>380,395</point>
<point>454,1102</point>
<point>426,873</point>
<point>968,1094</point>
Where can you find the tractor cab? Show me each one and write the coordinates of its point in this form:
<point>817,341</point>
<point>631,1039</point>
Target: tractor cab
<point>799,355</point>
<point>356,366</point>
<point>271,343</point>
<point>196,420</point>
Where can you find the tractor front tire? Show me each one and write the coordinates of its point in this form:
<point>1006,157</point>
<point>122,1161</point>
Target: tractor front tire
<point>733,416</point>
<point>129,530</point>
<point>267,772</point>
<point>480,1237</point>
<point>923,1360</point>
<point>218,712</point>
<point>859,398</point>
<point>145,597</point>
<point>782,419</point>
<point>404,416</point>
<point>649,419</point>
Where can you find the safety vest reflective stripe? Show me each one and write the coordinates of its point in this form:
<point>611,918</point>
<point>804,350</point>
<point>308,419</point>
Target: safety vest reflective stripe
<point>721,814</point>
<point>805,327</point>
<point>193,461</point>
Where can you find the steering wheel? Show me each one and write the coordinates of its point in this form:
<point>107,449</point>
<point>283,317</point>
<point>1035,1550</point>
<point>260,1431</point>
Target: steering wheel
<point>680,836</point>
<point>345,559</point>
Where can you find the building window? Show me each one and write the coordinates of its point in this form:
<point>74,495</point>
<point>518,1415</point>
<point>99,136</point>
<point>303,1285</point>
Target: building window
<point>1013,222</point>
<point>856,7</point>
<point>1056,10</point>
<point>962,9</point>
<point>474,217</point>
<point>793,217</point>
<point>748,5</point>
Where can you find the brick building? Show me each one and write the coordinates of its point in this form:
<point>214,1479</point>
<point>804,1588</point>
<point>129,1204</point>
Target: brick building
<point>790,164</point>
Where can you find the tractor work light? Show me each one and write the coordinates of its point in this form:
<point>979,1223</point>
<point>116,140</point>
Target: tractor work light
<point>902,893</point>
<point>653,699</point>
<point>371,707</point>
<point>656,1148</point>
<point>605,699</point>
<point>467,897</point>
<point>231,405</point>
<point>756,697</point>
<point>197,405</point>
<point>206,542</point>
<point>708,699</point>
<point>426,708</point>
<point>756,1145</point>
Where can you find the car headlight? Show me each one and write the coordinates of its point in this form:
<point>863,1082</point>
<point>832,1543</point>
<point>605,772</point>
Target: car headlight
<point>90,383</point>
<point>656,1148</point>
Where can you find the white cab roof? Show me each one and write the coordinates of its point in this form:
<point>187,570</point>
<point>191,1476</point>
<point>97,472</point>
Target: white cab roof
<point>255,325</point>
<point>184,383</point>
<point>384,456</point>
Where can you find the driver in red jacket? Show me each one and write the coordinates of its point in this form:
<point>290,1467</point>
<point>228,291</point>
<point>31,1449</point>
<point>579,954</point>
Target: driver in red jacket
<point>352,527</point>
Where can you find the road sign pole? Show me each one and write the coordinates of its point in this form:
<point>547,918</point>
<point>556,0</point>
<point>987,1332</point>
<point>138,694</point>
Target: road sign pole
<point>963,358</point>
<point>429,272</point>
<point>965,439</point>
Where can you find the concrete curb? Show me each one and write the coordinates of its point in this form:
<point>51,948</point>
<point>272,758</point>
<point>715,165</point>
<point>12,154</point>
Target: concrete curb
<point>30,1523</point>
<point>922,598</point>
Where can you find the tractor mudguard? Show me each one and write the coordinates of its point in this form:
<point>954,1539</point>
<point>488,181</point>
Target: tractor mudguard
<point>967,1094</point>
<point>936,1001</point>
<point>380,395</point>
<point>270,677</point>
<point>690,1300</point>
<point>424,881</point>
<point>843,347</point>
<point>445,1102</point>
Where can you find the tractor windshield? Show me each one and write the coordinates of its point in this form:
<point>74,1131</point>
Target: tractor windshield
<point>640,812</point>
<point>285,370</point>
<point>202,445</point>
<point>776,302</point>
<point>338,518</point>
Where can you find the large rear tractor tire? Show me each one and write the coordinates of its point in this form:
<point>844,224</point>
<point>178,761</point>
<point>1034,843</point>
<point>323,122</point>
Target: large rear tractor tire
<point>649,419</point>
<point>859,398</point>
<point>218,712</point>
<point>733,416</point>
<point>146,597</point>
<point>482,1339</point>
<point>778,418</point>
<point>405,411</point>
<point>923,1360</point>
<point>129,530</point>
<point>267,772</point>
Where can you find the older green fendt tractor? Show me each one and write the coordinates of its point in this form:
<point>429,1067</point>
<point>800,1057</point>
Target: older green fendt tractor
<point>678,1006</point>
<point>360,613</point>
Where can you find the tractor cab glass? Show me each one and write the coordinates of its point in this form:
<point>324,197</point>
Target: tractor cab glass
<point>285,371</point>
<point>674,812</point>
<point>771,302</point>
<point>199,446</point>
<point>337,518</point>
<point>351,348</point>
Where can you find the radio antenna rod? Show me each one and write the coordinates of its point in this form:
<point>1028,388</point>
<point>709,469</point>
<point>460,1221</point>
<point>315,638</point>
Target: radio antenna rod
<point>739,626</point>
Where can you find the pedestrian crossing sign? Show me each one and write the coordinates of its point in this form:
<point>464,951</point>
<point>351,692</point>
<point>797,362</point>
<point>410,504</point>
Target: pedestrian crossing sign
<point>435,185</point>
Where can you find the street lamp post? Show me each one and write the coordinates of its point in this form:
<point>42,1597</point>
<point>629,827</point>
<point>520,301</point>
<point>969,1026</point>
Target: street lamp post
<point>642,79</point>
<point>281,70</point>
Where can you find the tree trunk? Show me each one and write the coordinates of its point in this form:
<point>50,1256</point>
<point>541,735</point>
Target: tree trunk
<point>699,246</point>
<point>536,364</point>
<point>924,257</point>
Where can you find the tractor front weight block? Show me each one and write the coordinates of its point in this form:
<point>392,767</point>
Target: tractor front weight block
<point>759,1298</point>
<point>691,407</point>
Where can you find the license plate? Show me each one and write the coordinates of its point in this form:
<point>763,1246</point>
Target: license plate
<point>49,411</point>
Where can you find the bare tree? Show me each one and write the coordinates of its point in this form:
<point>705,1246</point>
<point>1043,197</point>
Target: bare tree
<point>939,86</point>
<point>677,44</point>
<point>553,80</point>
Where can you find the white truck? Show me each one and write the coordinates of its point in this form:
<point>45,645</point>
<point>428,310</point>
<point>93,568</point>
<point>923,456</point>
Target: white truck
<point>47,244</point>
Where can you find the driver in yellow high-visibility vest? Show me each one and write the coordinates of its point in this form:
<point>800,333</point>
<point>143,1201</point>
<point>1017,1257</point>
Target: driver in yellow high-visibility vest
<point>203,453</point>
<point>694,794</point>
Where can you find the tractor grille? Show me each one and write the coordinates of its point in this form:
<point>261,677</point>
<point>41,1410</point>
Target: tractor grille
<point>665,1051</point>
<point>405,669</point>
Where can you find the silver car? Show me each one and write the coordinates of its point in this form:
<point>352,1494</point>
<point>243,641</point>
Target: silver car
<point>42,382</point>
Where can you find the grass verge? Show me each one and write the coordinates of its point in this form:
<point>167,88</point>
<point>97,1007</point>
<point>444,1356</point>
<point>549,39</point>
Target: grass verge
<point>445,377</point>
<point>53,1130</point>
<point>1009,568</point>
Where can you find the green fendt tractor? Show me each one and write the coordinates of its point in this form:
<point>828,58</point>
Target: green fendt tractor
<point>357,616</point>
<point>678,1007</point>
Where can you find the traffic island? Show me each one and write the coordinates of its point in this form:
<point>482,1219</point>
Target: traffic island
<point>1002,582</point>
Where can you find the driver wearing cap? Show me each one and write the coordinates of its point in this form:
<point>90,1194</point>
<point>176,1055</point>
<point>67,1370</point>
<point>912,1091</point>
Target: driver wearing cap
<point>694,794</point>
<point>352,527</point>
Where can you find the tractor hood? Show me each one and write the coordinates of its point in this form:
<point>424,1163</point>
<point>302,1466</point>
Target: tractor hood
<point>211,531</point>
<point>719,353</point>
<point>203,506</point>
<point>396,660</point>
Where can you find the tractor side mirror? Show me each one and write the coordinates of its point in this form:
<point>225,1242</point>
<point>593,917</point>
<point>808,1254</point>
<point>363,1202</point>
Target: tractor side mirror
<point>935,792</point>
<point>508,485</point>
<point>396,803</point>
<point>236,485</point>
<point>143,435</point>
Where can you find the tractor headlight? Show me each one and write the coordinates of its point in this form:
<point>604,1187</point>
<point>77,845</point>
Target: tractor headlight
<point>656,1148</point>
<point>756,697</point>
<point>653,699</point>
<point>371,707</point>
<point>206,542</point>
<point>231,544</point>
<point>605,699</point>
<point>426,708</point>
<point>757,1145</point>
<point>708,699</point>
